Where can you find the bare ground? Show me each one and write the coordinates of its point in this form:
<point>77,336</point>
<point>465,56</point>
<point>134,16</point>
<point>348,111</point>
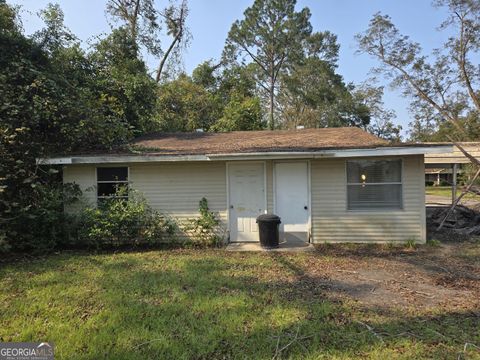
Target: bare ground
<point>446,276</point>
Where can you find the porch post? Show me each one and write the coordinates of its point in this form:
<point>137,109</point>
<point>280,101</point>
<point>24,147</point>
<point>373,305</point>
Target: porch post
<point>454,182</point>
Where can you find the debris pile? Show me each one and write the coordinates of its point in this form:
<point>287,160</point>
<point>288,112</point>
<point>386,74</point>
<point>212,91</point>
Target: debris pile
<point>462,220</point>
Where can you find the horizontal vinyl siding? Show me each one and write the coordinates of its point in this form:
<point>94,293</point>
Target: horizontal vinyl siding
<point>176,188</point>
<point>331,222</point>
<point>84,176</point>
<point>269,177</point>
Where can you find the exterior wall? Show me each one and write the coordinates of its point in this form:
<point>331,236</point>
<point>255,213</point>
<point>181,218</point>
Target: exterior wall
<point>85,177</point>
<point>269,190</point>
<point>332,222</point>
<point>176,188</point>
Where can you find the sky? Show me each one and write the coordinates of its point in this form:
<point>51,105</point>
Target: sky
<point>209,22</point>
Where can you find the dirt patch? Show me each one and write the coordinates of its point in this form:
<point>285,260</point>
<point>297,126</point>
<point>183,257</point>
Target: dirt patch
<point>446,276</point>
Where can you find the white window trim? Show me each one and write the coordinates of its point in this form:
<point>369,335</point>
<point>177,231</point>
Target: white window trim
<point>377,209</point>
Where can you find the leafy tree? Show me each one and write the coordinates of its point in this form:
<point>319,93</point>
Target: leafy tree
<point>443,86</point>
<point>381,119</point>
<point>273,35</point>
<point>240,114</point>
<point>140,20</point>
<point>233,90</point>
<point>143,24</point>
<point>185,106</point>
<point>56,99</point>
<point>32,124</point>
<point>123,89</point>
<point>313,95</point>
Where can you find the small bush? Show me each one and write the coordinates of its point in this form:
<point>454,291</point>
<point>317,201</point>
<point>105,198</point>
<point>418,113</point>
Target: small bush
<point>120,222</point>
<point>429,183</point>
<point>204,231</point>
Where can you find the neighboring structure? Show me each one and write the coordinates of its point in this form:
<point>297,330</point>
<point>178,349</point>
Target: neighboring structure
<point>439,176</point>
<point>327,185</point>
<point>446,166</point>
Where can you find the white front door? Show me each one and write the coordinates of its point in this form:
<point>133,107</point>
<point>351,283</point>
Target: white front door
<point>246,183</point>
<point>291,196</point>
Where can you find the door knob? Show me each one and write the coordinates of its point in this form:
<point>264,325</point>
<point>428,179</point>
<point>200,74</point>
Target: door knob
<point>305,207</point>
<point>231,206</point>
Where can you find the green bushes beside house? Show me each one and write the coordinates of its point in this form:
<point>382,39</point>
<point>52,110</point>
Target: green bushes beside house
<point>123,221</point>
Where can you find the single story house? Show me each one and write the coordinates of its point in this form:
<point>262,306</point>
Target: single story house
<point>329,185</point>
<point>439,176</point>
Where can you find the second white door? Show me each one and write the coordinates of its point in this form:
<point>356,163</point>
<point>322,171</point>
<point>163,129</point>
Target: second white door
<point>291,196</point>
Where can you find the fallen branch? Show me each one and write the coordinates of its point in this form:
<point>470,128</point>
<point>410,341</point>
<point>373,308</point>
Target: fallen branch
<point>457,200</point>
<point>466,190</point>
<point>296,339</point>
<point>371,330</point>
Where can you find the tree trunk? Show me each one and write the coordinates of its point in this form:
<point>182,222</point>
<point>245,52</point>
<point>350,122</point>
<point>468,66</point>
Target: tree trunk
<point>164,58</point>
<point>271,123</point>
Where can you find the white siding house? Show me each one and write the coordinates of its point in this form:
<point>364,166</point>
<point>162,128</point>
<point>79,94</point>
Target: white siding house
<point>330,193</point>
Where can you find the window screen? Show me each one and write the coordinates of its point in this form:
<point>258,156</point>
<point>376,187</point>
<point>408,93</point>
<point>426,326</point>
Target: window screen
<point>110,180</point>
<point>374,184</point>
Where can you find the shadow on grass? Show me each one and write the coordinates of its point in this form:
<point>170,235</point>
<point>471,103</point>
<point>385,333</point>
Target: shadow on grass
<point>208,305</point>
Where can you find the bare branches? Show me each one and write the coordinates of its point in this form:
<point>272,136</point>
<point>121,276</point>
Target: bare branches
<point>446,83</point>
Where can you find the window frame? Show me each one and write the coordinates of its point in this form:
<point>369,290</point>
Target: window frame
<point>127,182</point>
<point>377,209</point>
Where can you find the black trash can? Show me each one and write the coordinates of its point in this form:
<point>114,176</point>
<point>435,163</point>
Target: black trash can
<point>268,230</point>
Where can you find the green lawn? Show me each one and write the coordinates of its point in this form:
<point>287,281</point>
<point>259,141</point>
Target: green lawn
<point>211,304</point>
<point>446,191</point>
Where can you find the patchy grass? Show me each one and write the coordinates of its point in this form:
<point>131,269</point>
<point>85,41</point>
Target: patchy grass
<point>339,302</point>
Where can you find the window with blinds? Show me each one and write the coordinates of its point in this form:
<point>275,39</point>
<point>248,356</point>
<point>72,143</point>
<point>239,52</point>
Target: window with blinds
<point>112,182</point>
<point>374,184</point>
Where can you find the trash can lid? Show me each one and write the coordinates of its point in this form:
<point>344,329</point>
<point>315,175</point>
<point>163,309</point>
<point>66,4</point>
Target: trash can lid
<point>268,218</point>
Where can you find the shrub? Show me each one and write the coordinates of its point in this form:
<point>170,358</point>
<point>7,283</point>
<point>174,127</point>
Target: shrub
<point>120,222</point>
<point>429,183</point>
<point>204,231</point>
<point>42,225</point>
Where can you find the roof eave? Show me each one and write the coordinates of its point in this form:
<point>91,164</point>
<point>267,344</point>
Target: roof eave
<point>274,155</point>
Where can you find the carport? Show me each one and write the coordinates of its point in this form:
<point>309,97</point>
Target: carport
<point>451,162</point>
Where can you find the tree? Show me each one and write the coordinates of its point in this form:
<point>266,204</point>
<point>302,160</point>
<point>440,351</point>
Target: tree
<point>313,95</point>
<point>235,105</point>
<point>381,119</point>
<point>123,90</point>
<point>272,34</point>
<point>175,18</point>
<point>140,18</point>
<point>185,106</point>
<point>240,114</point>
<point>58,99</point>
<point>444,84</point>
<point>143,23</point>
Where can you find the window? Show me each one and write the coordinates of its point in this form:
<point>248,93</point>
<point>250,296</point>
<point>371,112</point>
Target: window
<point>374,184</point>
<point>110,180</point>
